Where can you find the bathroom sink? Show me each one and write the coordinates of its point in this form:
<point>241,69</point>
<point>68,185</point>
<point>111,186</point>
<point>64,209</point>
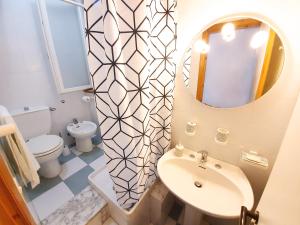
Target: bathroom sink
<point>215,188</point>
<point>83,132</point>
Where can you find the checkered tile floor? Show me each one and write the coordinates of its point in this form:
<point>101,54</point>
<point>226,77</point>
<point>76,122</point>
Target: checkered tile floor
<point>50,194</point>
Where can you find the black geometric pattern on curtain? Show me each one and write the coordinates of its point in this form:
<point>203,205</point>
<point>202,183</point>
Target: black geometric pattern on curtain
<point>187,59</point>
<point>130,51</point>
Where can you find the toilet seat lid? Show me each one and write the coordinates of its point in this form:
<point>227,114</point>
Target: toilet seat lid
<point>44,144</point>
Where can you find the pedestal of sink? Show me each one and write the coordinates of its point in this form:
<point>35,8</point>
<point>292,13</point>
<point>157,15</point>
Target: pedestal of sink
<point>192,216</point>
<point>84,144</point>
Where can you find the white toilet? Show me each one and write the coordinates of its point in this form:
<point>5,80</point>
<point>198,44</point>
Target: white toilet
<point>35,124</point>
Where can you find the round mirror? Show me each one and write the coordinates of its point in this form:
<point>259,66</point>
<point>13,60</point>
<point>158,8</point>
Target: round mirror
<point>233,63</point>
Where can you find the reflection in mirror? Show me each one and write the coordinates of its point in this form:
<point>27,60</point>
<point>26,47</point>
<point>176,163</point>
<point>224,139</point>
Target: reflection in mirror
<point>233,63</point>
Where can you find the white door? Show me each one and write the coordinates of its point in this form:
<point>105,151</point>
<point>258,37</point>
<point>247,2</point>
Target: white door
<point>280,202</point>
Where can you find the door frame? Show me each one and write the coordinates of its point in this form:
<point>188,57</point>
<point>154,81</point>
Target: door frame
<point>13,209</point>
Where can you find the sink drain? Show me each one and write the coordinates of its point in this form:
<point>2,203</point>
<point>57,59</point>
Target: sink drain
<point>197,184</point>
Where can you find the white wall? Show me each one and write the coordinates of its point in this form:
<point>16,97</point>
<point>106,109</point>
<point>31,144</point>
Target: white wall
<point>258,126</point>
<point>280,203</point>
<point>25,76</point>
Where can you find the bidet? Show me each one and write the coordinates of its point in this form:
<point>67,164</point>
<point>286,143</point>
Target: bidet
<point>82,132</point>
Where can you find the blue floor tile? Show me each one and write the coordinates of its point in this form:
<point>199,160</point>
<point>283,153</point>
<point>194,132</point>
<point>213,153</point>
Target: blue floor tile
<point>45,185</point>
<point>63,159</point>
<point>91,156</point>
<point>78,181</point>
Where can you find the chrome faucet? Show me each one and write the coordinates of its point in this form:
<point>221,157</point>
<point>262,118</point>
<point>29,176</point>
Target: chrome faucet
<point>203,157</point>
<point>75,121</point>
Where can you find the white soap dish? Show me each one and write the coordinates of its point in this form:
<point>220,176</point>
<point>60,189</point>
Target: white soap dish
<point>253,158</point>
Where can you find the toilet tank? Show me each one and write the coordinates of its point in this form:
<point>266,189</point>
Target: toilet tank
<point>32,121</point>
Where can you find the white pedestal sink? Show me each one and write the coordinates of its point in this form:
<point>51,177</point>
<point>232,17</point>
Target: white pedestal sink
<point>214,188</point>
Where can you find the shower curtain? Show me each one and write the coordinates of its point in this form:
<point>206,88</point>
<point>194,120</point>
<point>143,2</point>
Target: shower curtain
<point>131,44</point>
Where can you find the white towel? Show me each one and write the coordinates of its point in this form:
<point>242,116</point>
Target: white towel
<point>25,161</point>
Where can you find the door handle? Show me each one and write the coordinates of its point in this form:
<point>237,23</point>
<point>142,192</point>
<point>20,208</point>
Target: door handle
<point>245,214</point>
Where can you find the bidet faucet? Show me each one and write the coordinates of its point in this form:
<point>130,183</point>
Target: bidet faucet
<point>203,157</point>
<point>75,121</point>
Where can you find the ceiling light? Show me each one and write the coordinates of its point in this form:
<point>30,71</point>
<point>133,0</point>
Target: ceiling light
<point>259,39</point>
<point>201,46</point>
<point>228,31</point>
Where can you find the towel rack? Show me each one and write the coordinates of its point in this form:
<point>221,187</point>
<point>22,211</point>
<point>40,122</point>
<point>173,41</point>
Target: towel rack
<point>7,129</point>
